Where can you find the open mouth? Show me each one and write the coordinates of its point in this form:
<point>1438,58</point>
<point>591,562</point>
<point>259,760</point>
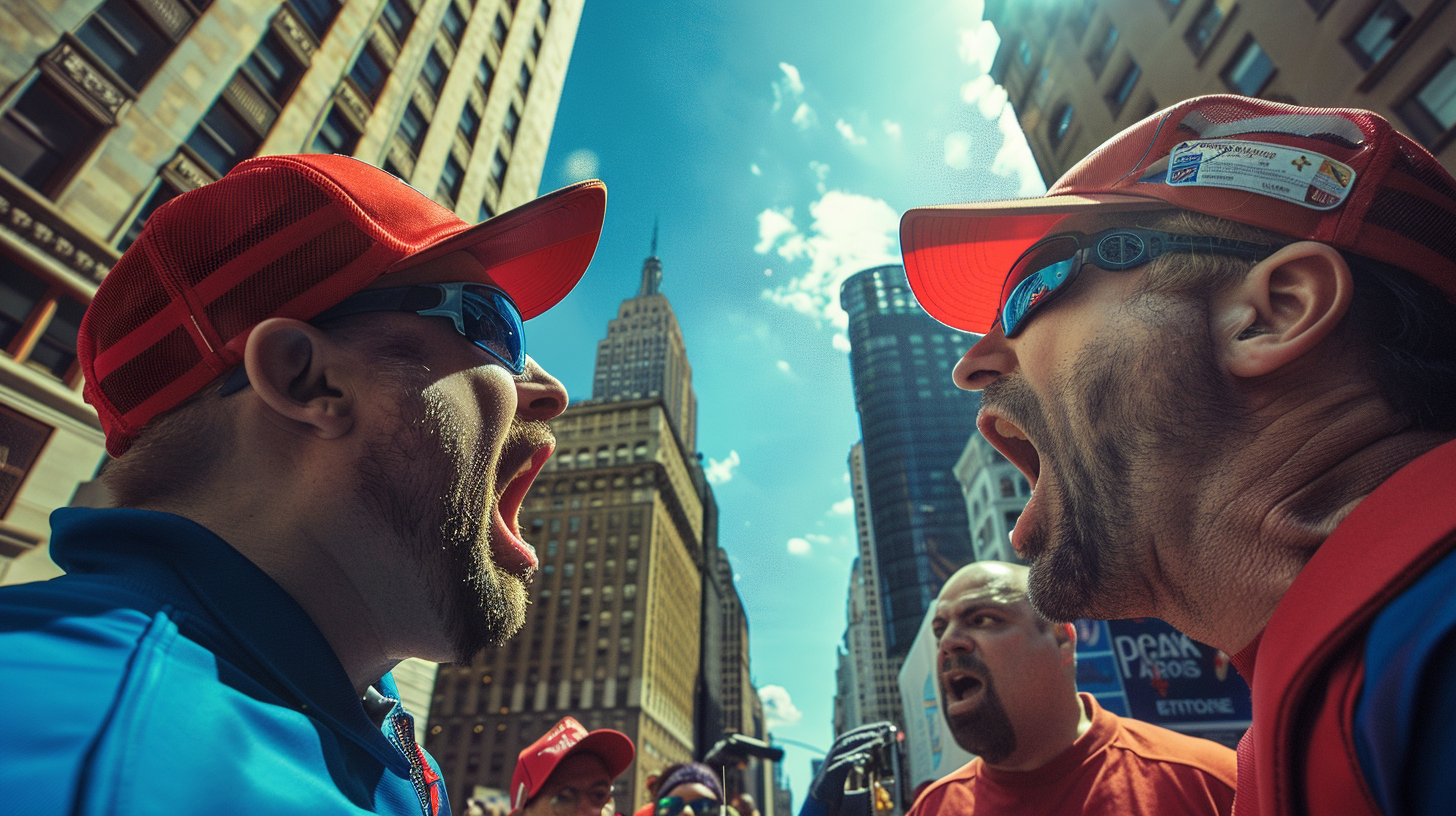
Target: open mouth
<point>1013,443</point>
<point>514,554</point>
<point>960,685</point>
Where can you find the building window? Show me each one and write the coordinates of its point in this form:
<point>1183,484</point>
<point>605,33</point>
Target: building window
<point>469,122</point>
<point>545,10</point>
<point>535,42</point>
<point>1120,92</point>
<point>524,82</point>
<point>368,73</point>
<point>38,322</point>
<point>1059,124</point>
<point>336,135</point>
<point>1250,69</point>
<point>316,14</point>
<point>24,439</point>
<point>485,75</point>
<point>498,31</point>
<point>413,126</point>
<point>398,17</point>
<point>1207,25</point>
<point>164,193</point>
<point>486,213</point>
<point>451,177</point>
<point>1375,37</point>
<point>125,40</point>
<point>1024,51</point>
<point>1081,18</point>
<point>454,22</point>
<point>222,138</point>
<point>43,137</point>
<point>1431,110</point>
<point>435,71</point>
<point>1103,52</point>
<point>273,68</point>
<point>512,124</point>
<point>498,175</point>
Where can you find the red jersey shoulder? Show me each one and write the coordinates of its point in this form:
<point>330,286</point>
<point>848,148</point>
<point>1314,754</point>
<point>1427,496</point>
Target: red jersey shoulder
<point>930,800</point>
<point>1154,743</point>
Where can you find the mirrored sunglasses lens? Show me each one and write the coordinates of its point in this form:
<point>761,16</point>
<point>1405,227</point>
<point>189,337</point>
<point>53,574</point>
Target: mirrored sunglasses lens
<point>1040,271</point>
<point>492,322</point>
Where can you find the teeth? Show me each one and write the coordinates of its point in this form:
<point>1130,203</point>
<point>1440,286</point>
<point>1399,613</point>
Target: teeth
<point>1008,430</point>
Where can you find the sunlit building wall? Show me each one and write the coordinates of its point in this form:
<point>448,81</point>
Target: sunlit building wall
<point>913,423</point>
<point>1079,71</point>
<point>109,109</point>
<point>995,494</point>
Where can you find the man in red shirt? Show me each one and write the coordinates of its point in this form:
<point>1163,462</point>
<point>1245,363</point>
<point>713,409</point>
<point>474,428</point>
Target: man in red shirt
<point>569,771</point>
<point>1222,348</point>
<point>1009,691</point>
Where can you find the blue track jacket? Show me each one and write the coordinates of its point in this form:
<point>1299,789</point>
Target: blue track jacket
<point>166,674</point>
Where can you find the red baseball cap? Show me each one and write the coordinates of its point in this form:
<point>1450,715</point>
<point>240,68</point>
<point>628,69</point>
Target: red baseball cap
<point>290,236</point>
<point>540,758</point>
<point>1340,176</point>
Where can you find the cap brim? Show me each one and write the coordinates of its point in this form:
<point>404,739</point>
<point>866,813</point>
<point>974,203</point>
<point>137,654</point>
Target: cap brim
<point>613,747</point>
<point>958,256</point>
<point>536,252</point>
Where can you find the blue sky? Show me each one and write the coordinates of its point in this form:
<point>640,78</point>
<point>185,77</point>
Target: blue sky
<point>778,141</point>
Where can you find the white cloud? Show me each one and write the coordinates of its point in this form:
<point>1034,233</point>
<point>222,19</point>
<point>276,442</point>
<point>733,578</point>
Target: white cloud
<point>1014,159</point>
<point>978,46</point>
<point>818,538</point>
<point>753,168</point>
<point>843,507</point>
<point>798,546</point>
<point>821,172</point>
<point>840,342</point>
<point>783,365</point>
<point>958,150</point>
<point>804,116</point>
<point>983,92</point>
<point>778,708</point>
<point>847,131</point>
<point>722,472</point>
<point>580,165</point>
<point>849,233</point>
<point>791,76</point>
<point>773,225</point>
<point>892,129</point>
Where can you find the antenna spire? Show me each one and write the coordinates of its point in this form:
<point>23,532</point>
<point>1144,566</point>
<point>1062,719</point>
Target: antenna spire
<point>653,253</point>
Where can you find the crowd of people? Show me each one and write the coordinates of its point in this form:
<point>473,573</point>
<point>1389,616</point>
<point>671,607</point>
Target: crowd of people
<point>1222,348</point>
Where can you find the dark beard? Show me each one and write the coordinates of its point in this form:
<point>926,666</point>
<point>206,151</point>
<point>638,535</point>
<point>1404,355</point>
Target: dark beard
<point>987,731</point>
<point>422,484</point>
<point>1152,402</point>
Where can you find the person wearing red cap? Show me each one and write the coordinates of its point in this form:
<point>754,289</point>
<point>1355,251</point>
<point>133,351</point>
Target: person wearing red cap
<point>323,420</point>
<point>1222,348</point>
<point>569,771</point>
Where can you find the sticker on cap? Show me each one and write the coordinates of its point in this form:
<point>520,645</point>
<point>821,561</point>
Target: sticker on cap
<point>1302,176</point>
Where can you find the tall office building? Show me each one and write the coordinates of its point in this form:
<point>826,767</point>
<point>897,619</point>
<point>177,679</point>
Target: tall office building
<point>625,529</point>
<point>644,356</point>
<point>867,676</point>
<point>110,108</point>
<point>995,494</point>
<point>1078,71</point>
<point>913,423</point>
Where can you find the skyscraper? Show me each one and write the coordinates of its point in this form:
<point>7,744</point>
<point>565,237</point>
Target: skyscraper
<point>914,423</point>
<point>625,527</point>
<point>995,494</point>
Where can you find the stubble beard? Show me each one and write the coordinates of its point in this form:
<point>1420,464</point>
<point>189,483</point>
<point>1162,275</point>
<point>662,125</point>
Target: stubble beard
<point>1153,414</point>
<point>423,483</point>
<point>985,731</point>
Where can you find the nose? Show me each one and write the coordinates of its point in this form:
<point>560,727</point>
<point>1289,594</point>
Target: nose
<point>988,360</point>
<point>538,394</point>
<point>955,639</point>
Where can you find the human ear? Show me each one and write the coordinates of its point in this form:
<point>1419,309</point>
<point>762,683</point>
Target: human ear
<point>295,370</point>
<point>1286,305</point>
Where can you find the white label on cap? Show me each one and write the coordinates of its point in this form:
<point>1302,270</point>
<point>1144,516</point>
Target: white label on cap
<point>1301,176</point>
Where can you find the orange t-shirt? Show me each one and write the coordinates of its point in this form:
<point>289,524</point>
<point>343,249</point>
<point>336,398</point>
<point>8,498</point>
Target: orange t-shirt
<point>1120,766</point>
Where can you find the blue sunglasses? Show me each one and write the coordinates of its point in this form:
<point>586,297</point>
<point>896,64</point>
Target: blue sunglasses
<point>1050,265</point>
<point>483,314</point>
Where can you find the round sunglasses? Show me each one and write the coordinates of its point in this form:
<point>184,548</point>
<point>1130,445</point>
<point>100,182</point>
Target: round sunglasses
<point>1049,266</point>
<point>674,805</point>
<point>485,315</point>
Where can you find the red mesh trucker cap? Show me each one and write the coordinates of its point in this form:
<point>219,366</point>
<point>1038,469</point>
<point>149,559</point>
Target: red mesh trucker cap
<point>540,758</point>
<point>290,236</point>
<point>1339,176</point>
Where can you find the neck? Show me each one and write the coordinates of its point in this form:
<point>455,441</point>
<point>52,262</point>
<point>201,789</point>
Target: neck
<point>1038,746</point>
<point>1286,492</point>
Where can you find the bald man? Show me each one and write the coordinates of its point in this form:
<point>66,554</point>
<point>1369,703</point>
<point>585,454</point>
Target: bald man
<point>1008,682</point>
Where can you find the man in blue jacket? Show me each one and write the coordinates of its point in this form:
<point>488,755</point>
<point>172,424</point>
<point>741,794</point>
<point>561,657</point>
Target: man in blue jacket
<point>313,383</point>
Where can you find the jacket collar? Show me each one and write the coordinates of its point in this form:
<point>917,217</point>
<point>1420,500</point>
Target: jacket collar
<point>242,614</point>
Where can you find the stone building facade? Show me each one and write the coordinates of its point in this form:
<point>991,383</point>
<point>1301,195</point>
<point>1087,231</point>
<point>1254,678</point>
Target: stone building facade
<point>1079,71</point>
<point>109,108</point>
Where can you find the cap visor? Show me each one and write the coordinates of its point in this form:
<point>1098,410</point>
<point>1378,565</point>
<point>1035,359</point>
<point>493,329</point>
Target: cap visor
<point>957,256</point>
<point>537,251</point>
<point>614,748</point>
